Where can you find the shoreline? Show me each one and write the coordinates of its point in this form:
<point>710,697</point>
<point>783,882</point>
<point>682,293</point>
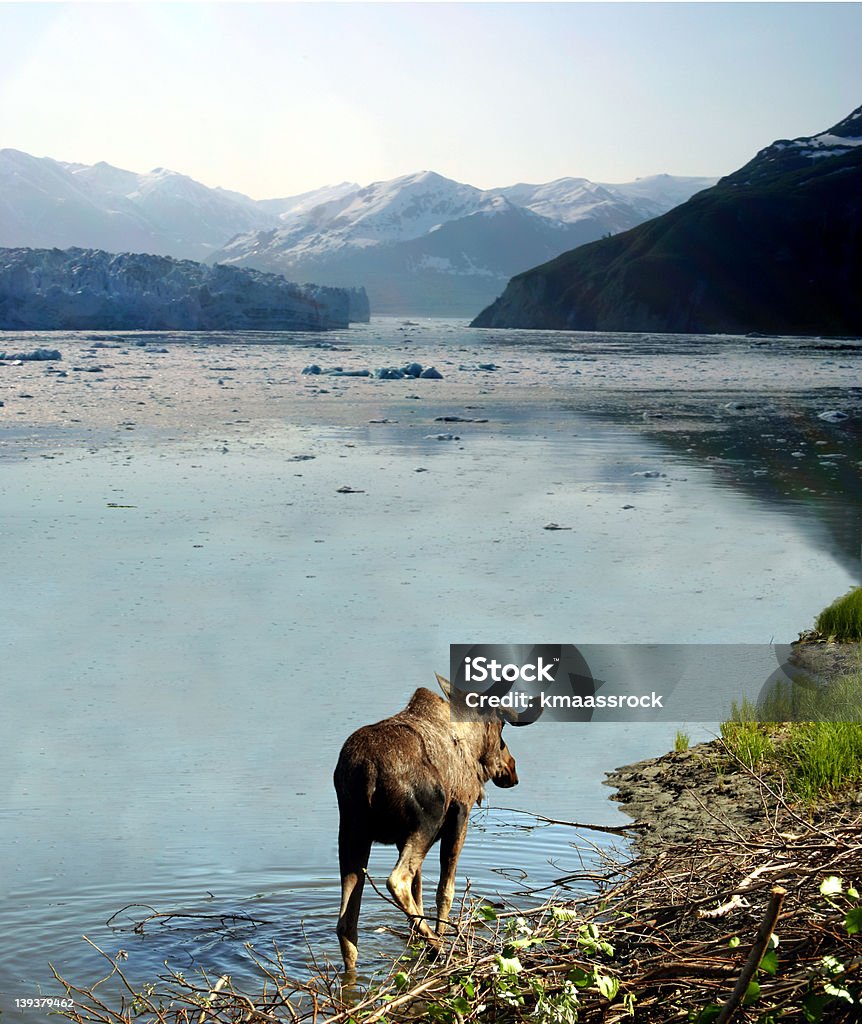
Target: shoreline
<point>701,791</point>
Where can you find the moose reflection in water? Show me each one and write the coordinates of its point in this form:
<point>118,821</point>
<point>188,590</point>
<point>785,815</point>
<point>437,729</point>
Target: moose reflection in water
<point>410,780</point>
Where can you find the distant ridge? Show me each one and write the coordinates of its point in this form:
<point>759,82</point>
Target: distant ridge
<point>424,244</point>
<point>421,243</point>
<point>775,247</point>
<point>88,289</point>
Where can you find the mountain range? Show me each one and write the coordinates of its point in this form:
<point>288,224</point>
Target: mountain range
<point>426,245</point>
<point>422,244</point>
<point>775,247</point>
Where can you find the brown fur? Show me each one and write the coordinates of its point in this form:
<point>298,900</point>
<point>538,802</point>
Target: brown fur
<point>411,780</point>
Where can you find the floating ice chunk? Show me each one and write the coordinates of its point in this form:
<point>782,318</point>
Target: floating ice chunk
<point>37,355</point>
<point>833,416</point>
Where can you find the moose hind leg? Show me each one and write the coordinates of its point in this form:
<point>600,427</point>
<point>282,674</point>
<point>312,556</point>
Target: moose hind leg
<point>451,842</point>
<point>403,884</point>
<point>353,852</point>
<point>416,892</point>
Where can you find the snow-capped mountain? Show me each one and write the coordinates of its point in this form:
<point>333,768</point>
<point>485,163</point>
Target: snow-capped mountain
<point>773,248</point>
<point>421,243</point>
<point>795,154</point>
<point>45,202</point>
<point>424,244</point>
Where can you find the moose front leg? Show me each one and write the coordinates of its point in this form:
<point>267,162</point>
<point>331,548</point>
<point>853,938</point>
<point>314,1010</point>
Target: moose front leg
<point>451,842</point>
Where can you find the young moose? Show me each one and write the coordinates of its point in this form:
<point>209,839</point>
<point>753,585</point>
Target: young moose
<point>409,781</point>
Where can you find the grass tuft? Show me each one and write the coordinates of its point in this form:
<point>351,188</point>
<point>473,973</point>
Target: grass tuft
<point>822,759</point>
<point>842,620</point>
<point>817,746</point>
<point>746,736</point>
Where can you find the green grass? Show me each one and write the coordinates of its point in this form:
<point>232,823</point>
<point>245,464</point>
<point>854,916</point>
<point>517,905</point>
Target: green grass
<point>747,737</point>
<point>842,620</point>
<point>811,735</point>
<point>822,759</point>
<point>682,741</point>
<point>807,701</point>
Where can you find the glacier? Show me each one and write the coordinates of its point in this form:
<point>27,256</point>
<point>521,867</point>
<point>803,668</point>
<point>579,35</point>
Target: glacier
<point>89,289</point>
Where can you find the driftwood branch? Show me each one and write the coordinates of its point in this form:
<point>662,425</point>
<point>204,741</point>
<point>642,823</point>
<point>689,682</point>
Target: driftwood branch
<point>755,955</point>
<point>614,830</point>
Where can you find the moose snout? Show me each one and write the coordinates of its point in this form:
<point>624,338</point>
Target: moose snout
<point>508,777</point>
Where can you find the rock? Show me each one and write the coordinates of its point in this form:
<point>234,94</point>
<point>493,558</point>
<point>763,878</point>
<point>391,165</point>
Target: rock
<point>555,526</point>
<point>389,373</point>
<point>349,490</point>
<point>313,368</point>
<point>456,419</point>
<point>413,370</point>
<point>432,373</point>
<point>442,437</point>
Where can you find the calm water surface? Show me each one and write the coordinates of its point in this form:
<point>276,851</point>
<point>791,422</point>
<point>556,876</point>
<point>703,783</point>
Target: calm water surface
<point>190,630</point>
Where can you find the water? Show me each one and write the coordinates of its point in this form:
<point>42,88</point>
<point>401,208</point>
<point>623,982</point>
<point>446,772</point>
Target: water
<point>190,629</point>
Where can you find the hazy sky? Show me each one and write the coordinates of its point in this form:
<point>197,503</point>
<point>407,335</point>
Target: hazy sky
<point>272,99</point>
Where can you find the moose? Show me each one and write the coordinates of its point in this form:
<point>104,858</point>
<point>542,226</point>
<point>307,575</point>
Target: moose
<point>412,780</point>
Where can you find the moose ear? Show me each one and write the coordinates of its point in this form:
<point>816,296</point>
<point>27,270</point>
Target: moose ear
<point>444,685</point>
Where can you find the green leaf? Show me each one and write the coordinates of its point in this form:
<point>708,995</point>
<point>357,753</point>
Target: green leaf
<point>460,1004</point>
<point>752,994</point>
<point>831,886</point>
<point>734,942</point>
<point>813,1005</point>
<point>486,912</point>
<point>607,985</point>
<point>769,963</point>
<point>852,892</point>
<point>708,1014</point>
<point>853,921</point>
<point>561,914</point>
<point>580,978</point>
<point>507,964</point>
<point>401,979</point>
<point>469,988</point>
<point>832,964</point>
<point>839,993</point>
